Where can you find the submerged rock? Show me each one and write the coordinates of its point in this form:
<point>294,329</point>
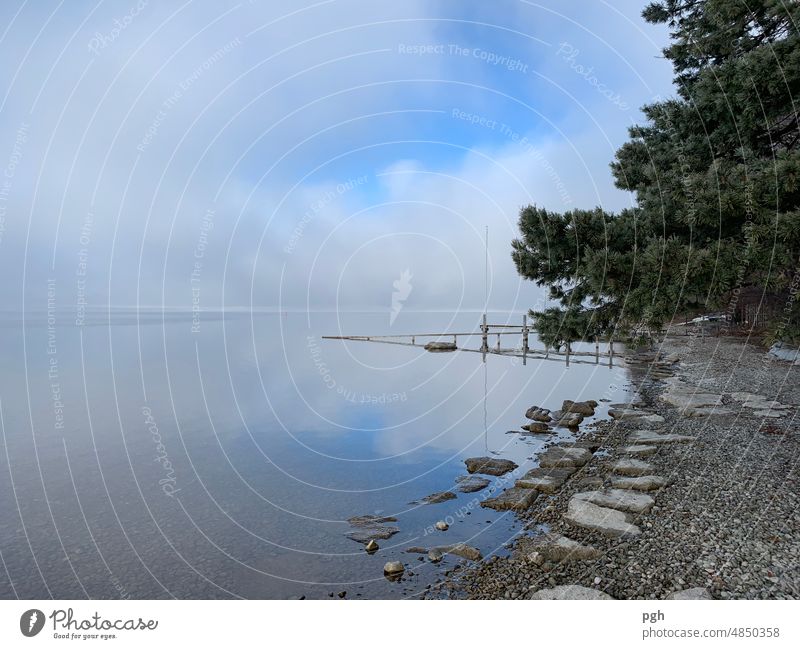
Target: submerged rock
<point>369,519</point>
<point>371,527</point>
<point>438,497</point>
<point>435,555</point>
<point>371,546</point>
<point>471,483</point>
<point>489,465</point>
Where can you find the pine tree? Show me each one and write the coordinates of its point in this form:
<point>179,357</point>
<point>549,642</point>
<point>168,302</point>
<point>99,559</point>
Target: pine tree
<point>715,173</point>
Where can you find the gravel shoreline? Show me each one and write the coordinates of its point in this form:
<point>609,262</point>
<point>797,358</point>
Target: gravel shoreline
<point>728,519</point>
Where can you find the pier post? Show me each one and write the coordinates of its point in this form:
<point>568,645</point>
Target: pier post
<point>525,333</point>
<point>524,338</point>
<point>568,350</point>
<point>611,352</point>
<point>413,340</point>
<point>484,334</point>
<point>498,342</point>
<point>596,351</point>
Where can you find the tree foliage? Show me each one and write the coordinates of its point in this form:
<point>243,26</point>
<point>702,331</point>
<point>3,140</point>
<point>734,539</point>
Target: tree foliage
<point>715,172</point>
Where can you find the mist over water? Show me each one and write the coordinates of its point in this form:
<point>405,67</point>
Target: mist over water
<point>145,460</point>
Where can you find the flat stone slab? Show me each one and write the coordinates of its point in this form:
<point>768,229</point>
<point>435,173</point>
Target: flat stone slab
<point>690,593</point>
<point>640,450</point>
<point>771,414</point>
<point>624,500</point>
<point>631,467</point>
<point>607,521</point>
<point>683,396</point>
<point>626,413</point>
<point>461,550</point>
<point>471,483</point>
<point>546,480</point>
<point>650,437</point>
<point>516,498</point>
<point>641,483</point>
<point>572,591</point>
<point>557,548</point>
<point>706,411</point>
<point>637,415</point>
<point>558,456</point>
<point>489,465</point>
<point>589,444</point>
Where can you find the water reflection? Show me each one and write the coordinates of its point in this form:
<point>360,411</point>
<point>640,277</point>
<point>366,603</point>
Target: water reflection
<point>143,459</point>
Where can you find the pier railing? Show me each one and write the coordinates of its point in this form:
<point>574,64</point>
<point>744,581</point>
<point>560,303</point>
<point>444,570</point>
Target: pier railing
<point>488,332</point>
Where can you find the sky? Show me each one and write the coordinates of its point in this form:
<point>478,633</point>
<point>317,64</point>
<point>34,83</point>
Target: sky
<point>331,155</point>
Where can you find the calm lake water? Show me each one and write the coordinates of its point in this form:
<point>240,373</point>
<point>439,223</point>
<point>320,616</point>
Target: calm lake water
<point>143,459</point>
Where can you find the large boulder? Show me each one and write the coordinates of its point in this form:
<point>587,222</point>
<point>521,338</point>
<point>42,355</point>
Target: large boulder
<point>585,408</point>
<point>489,465</point>
<point>568,419</point>
<point>538,414</point>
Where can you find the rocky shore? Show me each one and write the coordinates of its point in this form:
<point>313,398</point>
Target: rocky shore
<point>691,491</point>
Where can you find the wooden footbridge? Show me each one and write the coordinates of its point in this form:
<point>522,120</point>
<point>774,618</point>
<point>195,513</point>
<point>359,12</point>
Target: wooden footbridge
<point>487,333</point>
